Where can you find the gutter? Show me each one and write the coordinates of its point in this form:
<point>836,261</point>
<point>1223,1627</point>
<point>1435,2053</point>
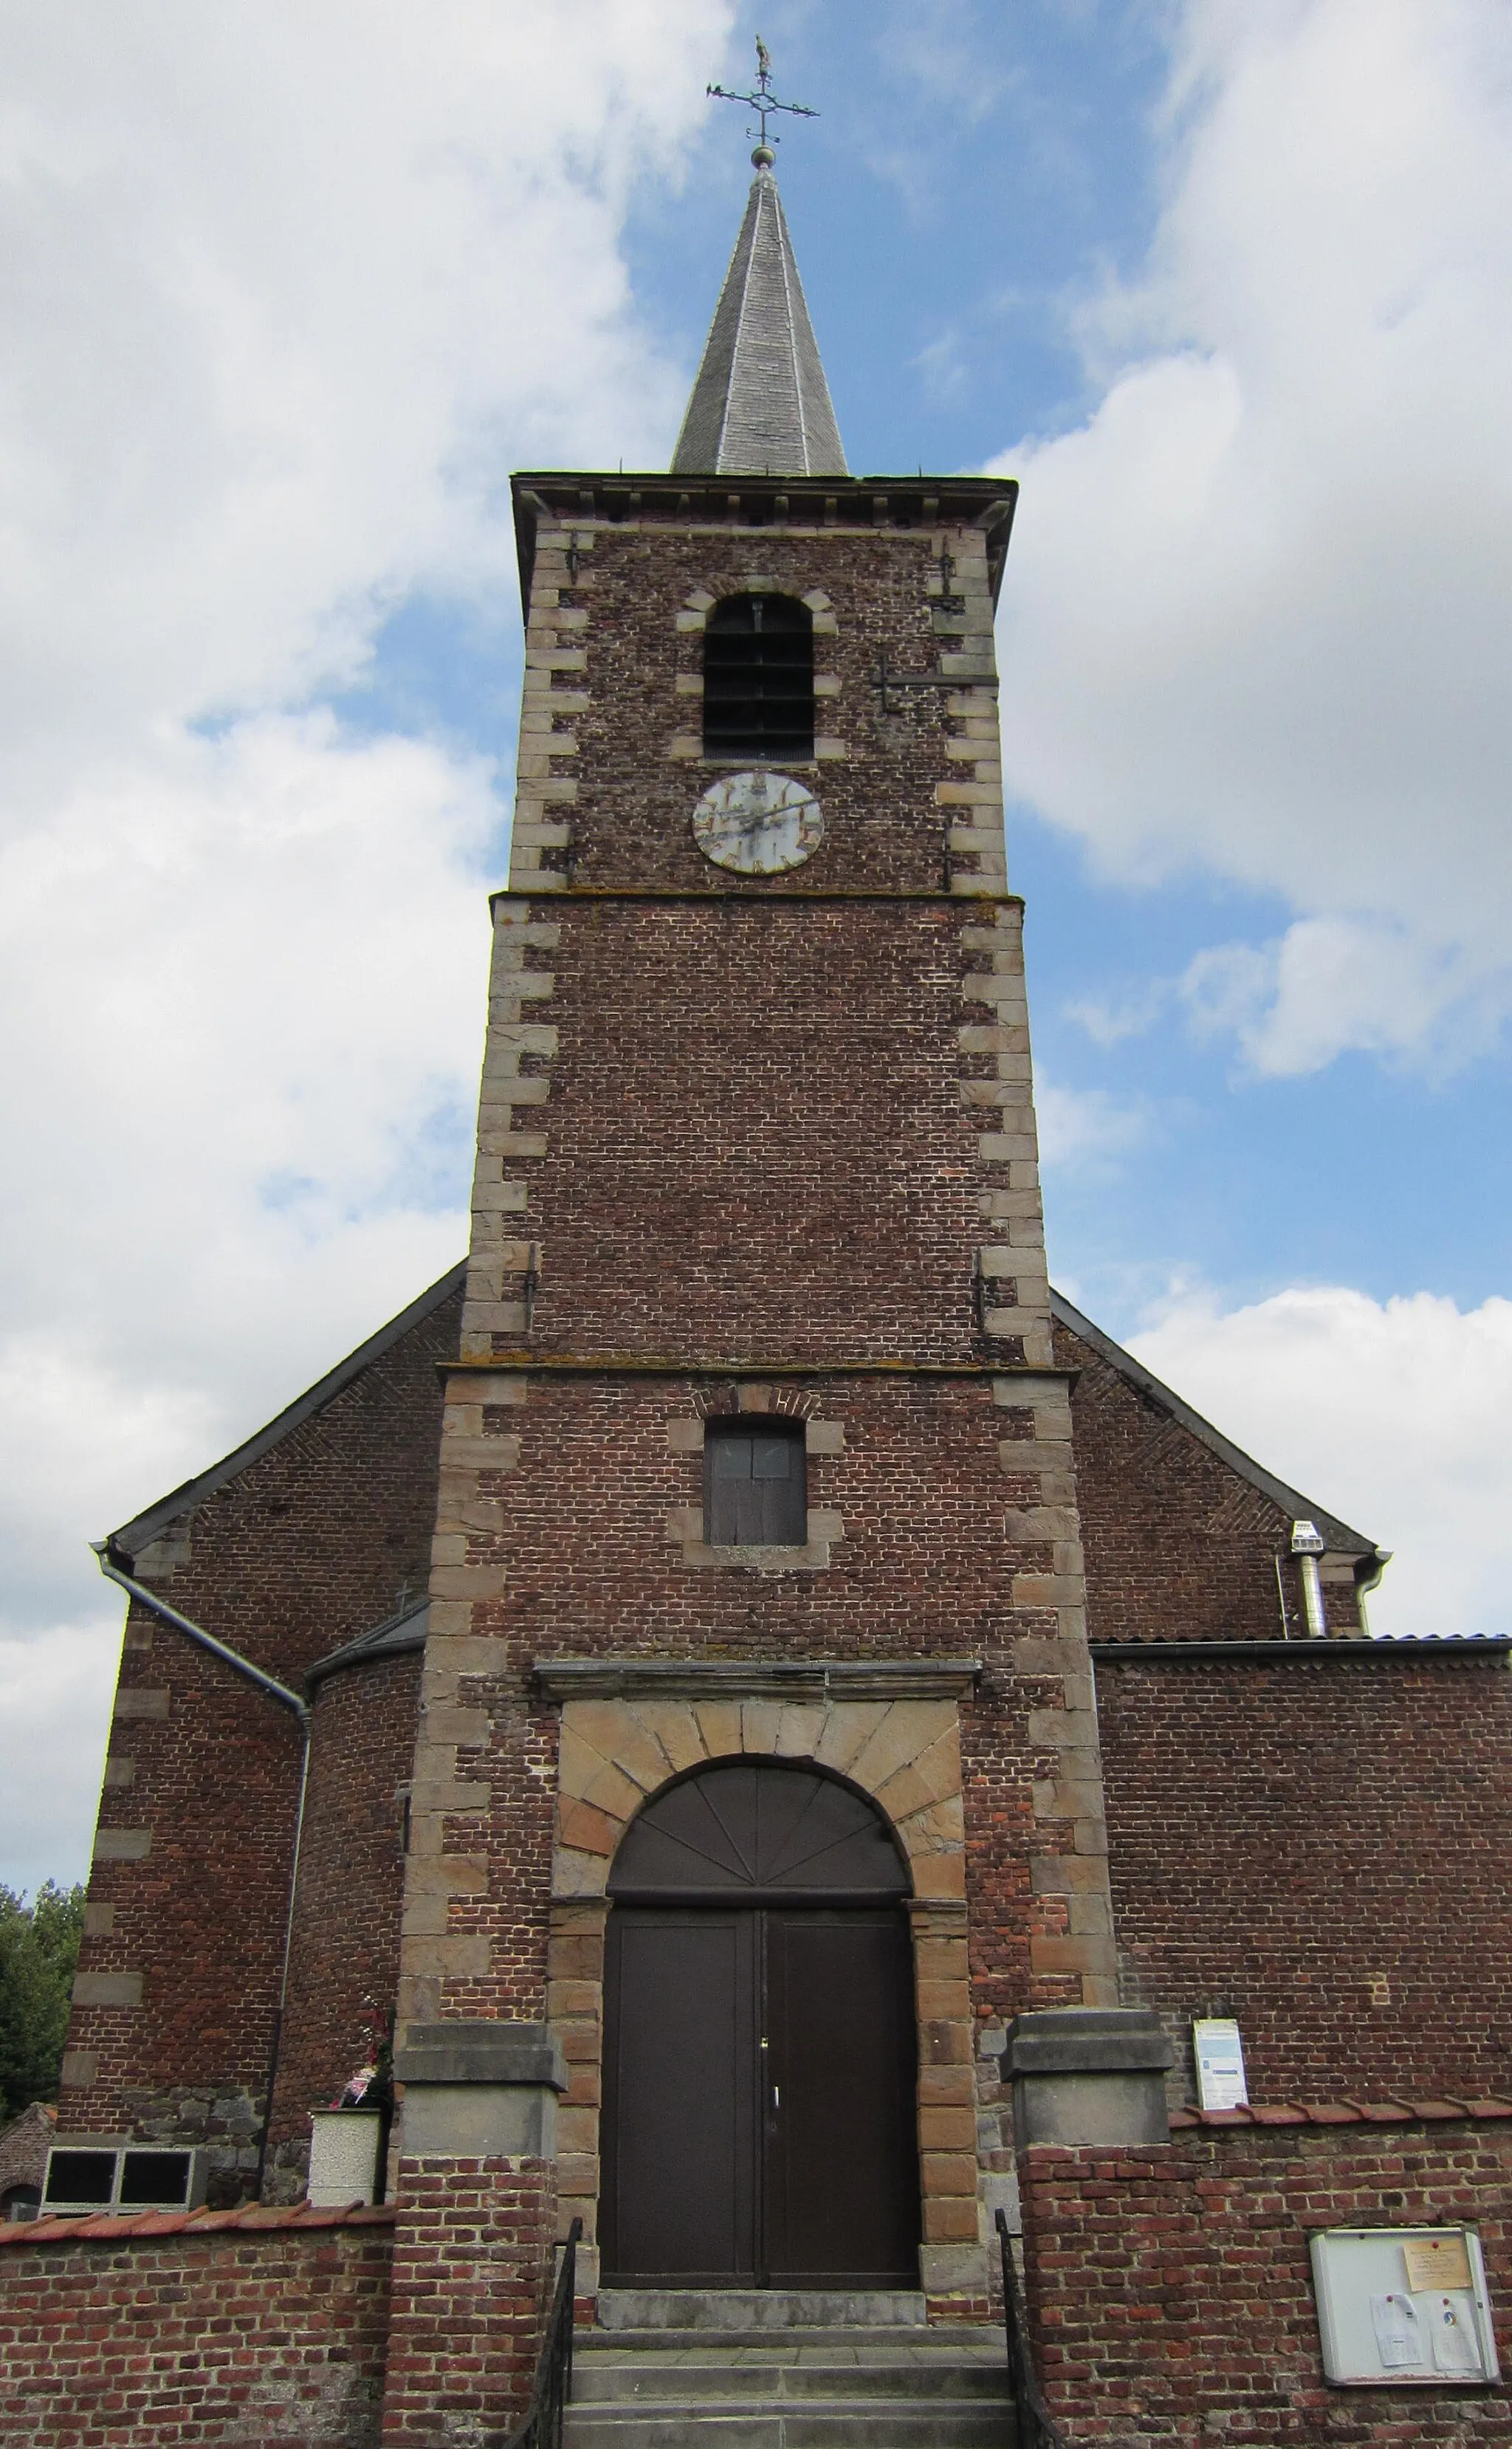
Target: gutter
<point>1411,1646</point>
<point>274,1690</point>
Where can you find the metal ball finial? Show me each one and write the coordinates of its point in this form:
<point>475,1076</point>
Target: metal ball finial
<point>764,157</point>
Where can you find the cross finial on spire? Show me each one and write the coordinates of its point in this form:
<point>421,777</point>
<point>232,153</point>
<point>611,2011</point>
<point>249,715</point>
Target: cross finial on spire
<point>764,103</point>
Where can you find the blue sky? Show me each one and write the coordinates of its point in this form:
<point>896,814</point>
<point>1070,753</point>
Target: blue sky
<point>1227,285</point>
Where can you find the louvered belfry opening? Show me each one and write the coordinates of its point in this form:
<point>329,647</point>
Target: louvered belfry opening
<point>755,1484</point>
<point>759,679</point>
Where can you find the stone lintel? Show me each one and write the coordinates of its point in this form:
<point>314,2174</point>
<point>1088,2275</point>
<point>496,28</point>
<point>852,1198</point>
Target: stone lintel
<point>881,1679</point>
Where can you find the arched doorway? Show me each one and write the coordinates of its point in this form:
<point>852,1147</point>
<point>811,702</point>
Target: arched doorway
<point>760,2060</point>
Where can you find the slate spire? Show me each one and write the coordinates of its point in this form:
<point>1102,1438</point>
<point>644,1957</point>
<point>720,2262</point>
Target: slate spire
<point>761,405</point>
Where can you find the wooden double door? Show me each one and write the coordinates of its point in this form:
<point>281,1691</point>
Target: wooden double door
<point>759,2119</point>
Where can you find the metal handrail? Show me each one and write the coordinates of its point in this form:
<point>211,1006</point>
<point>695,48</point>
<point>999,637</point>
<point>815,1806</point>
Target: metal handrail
<point>541,2426</point>
<point>1037,2428</point>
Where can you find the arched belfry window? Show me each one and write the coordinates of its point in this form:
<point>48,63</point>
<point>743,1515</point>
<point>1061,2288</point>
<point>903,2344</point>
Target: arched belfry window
<point>759,679</point>
<point>755,1483</point>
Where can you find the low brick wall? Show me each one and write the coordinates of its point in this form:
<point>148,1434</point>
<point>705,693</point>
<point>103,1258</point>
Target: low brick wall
<point>141,2334</point>
<point>474,2266</point>
<point>1171,2288</point>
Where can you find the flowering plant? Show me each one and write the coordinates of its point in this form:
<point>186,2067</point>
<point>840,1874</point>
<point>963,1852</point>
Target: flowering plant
<point>371,2085</point>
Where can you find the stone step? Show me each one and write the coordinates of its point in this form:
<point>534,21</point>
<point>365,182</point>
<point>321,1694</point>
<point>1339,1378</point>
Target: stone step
<point>877,2424</point>
<point>790,2345</point>
<point>891,2386</point>
<point>634,2380</point>
<point>758,2308</point>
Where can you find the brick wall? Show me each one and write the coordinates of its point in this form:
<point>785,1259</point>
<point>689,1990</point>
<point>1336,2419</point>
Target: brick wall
<point>25,2143</point>
<point>221,2334</point>
<point>796,1167</point>
<point>1172,2294</point>
<point>344,1961</point>
<point>593,1486</point>
<point>472,2271</point>
<point>306,1547</point>
<point>1319,1849</point>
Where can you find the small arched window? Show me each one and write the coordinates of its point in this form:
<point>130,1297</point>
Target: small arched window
<point>755,1484</point>
<point>759,679</point>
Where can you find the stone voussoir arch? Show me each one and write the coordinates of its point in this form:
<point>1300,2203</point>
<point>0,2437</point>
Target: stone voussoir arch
<point>617,1754</point>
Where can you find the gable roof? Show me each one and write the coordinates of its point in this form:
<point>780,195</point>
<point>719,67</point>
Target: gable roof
<point>141,1531</point>
<point>404,1631</point>
<point>1292,1501</point>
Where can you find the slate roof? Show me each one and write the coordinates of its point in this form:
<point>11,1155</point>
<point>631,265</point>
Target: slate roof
<point>135,1535</point>
<point>406,1629</point>
<point>396,1634</point>
<point>761,405</point>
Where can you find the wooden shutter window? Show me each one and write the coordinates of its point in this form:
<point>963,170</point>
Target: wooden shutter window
<point>755,1485</point>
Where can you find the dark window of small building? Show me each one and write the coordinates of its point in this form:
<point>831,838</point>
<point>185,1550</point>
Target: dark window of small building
<point>755,1484</point>
<point>759,678</point>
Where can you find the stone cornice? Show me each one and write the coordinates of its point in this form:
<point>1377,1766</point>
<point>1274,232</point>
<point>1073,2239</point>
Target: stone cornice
<point>657,1364</point>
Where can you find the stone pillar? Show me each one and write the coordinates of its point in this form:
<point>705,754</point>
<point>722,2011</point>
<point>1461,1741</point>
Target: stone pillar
<point>477,2227</point>
<point>1087,2075</point>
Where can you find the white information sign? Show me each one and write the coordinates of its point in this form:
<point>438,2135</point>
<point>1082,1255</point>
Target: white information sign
<point>1219,2054</point>
<point>1406,2306</point>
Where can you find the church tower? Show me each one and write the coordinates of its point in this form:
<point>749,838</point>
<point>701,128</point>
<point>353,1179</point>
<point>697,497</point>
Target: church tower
<point>757,1786</point>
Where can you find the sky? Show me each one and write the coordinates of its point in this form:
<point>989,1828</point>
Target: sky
<point>287,290</point>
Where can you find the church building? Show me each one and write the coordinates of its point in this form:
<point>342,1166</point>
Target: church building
<point>763,1718</point>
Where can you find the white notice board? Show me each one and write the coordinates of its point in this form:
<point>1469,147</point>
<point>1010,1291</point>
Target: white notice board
<point>1403,2306</point>
<point>1219,2054</point>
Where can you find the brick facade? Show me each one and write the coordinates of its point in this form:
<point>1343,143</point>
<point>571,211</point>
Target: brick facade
<point>753,1144</point>
<point>763,1146</point>
<point>1171,2291</point>
<point>344,1960</point>
<point>208,2333</point>
<point>309,1543</point>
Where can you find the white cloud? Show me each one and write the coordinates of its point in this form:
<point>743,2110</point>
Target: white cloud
<point>1084,1127</point>
<point>288,289</point>
<point>55,1694</point>
<point>285,291</point>
<point>1390,1414</point>
<point>1256,618</point>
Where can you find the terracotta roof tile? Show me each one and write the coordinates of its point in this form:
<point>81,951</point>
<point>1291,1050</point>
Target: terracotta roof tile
<point>1345,2113</point>
<point>121,2228</point>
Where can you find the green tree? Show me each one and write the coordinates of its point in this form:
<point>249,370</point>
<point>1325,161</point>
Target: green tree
<point>39,1949</point>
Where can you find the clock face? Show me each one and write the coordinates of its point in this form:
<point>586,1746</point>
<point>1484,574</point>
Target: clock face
<point>759,824</point>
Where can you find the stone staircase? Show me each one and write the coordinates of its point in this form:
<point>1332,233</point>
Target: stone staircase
<point>774,2370</point>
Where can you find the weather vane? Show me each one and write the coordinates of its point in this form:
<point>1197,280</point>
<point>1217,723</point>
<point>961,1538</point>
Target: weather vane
<point>763,102</point>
